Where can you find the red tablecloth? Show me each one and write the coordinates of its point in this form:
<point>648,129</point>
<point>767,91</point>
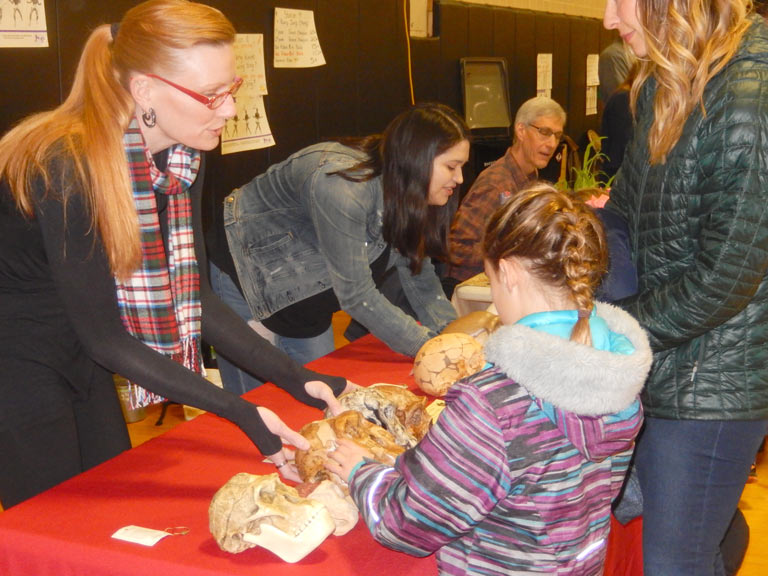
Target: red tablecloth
<point>169,482</point>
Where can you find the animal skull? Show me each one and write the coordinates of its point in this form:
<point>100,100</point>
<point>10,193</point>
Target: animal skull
<point>261,511</point>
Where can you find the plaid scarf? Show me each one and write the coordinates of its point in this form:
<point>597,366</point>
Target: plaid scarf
<point>160,303</point>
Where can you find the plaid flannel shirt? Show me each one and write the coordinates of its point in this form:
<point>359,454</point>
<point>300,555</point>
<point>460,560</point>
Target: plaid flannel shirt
<point>491,189</point>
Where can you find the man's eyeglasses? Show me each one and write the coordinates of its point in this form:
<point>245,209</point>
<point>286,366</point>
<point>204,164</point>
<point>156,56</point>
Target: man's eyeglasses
<point>547,132</point>
<point>211,102</point>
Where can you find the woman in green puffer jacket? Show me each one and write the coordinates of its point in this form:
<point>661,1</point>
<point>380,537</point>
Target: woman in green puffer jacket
<point>693,189</point>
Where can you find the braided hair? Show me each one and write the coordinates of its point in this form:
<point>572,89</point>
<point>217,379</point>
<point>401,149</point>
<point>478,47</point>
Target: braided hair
<point>560,239</point>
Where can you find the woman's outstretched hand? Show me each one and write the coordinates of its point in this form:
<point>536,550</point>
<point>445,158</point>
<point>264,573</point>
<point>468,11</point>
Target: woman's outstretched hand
<point>321,391</point>
<point>284,459</point>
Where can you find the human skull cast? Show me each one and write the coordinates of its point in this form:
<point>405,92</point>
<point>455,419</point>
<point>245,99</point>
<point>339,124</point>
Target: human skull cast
<point>261,511</point>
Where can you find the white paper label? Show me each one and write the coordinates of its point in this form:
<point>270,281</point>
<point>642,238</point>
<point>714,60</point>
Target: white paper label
<point>139,535</point>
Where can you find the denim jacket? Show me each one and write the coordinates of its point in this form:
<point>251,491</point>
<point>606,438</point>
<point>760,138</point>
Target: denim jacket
<point>296,231</point>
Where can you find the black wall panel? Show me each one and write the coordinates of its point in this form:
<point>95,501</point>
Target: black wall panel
<point>454,44</point>
<point>382,68</point>
<point>30,75</point>
<point>505,43</point>
<point>365,81</point>
<point>337,86</point>
<point>562,72</point>
<point>424,53</point>
<point>523,61</point>
<point>481,31</point>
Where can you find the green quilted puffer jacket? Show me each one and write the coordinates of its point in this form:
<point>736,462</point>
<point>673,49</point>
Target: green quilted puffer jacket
<point>698,229</point>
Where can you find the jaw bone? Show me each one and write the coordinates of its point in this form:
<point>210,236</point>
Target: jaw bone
<point>261,511</point>
<point>299,541</point>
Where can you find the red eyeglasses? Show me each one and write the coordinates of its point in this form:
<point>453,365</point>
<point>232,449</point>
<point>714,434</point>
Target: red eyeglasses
<point>211,102</point>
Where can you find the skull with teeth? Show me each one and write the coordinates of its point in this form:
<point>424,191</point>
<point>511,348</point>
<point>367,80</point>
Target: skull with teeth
<point>261,511</point>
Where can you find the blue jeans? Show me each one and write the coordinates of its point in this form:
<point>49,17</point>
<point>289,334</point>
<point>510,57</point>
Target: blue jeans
<point>233,379</point>
<point>692,473</point>
<point>304,350</point>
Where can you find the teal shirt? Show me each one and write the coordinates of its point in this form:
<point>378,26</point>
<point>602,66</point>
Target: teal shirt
<point>561,323</point>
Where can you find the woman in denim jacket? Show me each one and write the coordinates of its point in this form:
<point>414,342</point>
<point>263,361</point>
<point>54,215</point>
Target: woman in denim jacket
<point>319,231</point>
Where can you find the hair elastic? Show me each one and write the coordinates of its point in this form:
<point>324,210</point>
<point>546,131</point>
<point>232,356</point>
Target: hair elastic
<point>584,313</point>
<point>114,28</point>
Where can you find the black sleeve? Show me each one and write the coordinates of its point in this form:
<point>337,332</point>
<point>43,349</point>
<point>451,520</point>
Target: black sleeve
<point>82,276</point>
<point>232,337</point>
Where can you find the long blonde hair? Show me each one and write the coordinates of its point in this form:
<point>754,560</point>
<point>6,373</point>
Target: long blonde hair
<point>561,240</point>
<point>688,42</point>
<point>88,126</point>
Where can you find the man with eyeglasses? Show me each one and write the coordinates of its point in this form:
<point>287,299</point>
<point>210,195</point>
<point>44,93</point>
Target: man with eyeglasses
<point>538,129</point>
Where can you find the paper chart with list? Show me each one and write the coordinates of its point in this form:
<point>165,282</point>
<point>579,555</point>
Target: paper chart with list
<point>296,42</point>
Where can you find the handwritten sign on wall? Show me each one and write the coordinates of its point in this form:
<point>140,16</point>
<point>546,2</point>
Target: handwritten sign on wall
<point>296,41</point>
<point>249,128</point>
<point>249,63</point>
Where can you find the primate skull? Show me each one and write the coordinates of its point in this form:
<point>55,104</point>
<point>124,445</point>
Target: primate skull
<point>261,511</point>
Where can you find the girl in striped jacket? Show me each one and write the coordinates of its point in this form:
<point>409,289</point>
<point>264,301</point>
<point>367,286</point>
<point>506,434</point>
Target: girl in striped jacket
<point>518,473</point>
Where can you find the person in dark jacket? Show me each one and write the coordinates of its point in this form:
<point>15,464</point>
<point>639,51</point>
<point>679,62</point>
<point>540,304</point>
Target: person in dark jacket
<point>616,127</point>
<point>693,189</point>
<point>102,263</point>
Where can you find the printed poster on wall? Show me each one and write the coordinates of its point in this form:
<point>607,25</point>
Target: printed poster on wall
<point>249,129</point>
<point>22,24</point>
<point>544,75</point>
<point>593,81</point>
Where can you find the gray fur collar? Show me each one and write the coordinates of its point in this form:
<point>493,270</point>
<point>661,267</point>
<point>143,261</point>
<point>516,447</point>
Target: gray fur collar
<point>572,376</point>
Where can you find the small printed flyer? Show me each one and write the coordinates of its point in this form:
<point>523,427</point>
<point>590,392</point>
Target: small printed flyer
<point>22,24</point>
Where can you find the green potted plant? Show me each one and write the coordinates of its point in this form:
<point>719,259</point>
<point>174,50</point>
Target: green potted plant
<point>588,175</point>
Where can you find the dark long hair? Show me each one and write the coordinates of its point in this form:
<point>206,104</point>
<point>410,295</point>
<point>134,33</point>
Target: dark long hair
<point>403,156</point>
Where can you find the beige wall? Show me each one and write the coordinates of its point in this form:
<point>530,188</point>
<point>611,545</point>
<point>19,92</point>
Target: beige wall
<point>588,8</point>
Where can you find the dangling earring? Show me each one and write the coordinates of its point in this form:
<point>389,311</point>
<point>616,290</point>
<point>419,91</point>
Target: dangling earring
<point>149,118</point>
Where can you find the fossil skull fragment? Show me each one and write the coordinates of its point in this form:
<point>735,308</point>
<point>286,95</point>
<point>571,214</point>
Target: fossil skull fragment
<point>322,436</point>
<point>444,360</point>
<point>395,408</point>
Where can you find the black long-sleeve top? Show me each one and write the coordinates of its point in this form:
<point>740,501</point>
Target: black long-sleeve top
<point>58,307</point>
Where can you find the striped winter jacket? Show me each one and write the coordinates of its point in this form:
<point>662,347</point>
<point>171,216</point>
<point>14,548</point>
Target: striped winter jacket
<point>518,473</point>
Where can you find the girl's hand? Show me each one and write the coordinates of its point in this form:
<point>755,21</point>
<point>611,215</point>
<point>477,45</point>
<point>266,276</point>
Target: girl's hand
<point>322,391</point>
<point>346,456</point>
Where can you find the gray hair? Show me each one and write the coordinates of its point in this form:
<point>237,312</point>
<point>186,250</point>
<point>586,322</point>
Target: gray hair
<point>533,109</point>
